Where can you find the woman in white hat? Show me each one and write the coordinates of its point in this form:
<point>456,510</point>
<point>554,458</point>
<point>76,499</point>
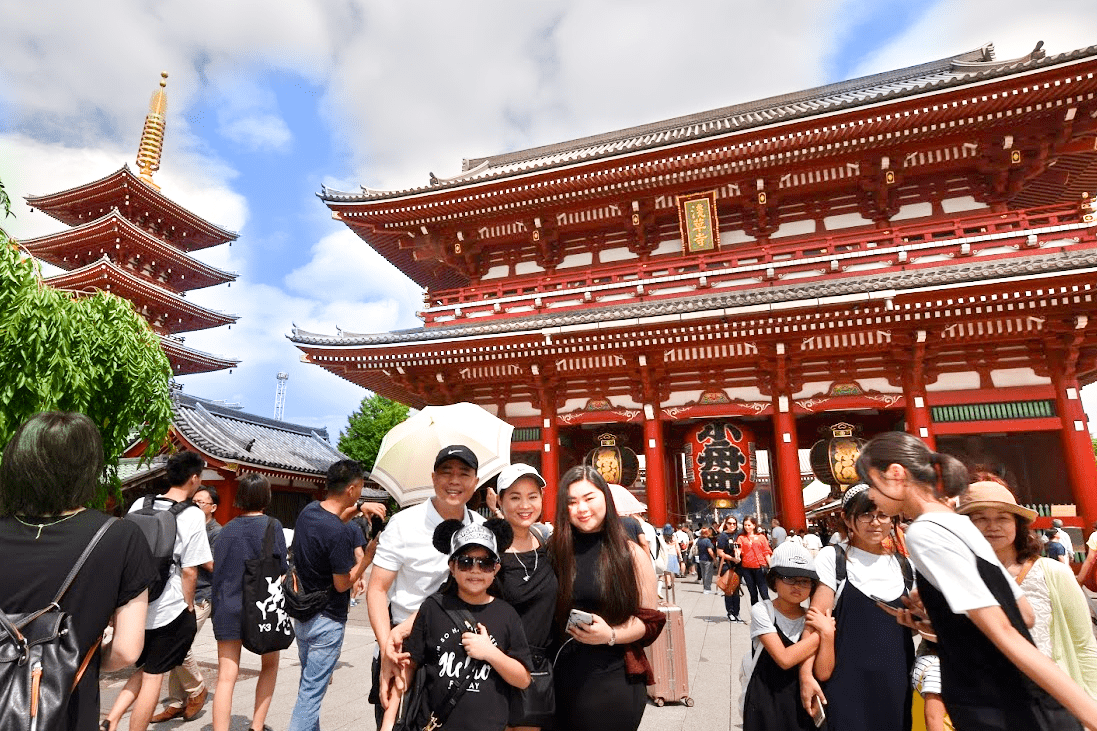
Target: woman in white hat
<point>1063,630</point>
<point>867,685</point>
<point>528,583</point>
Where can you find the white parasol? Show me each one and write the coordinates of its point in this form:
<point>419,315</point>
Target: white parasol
<point>406,457</point>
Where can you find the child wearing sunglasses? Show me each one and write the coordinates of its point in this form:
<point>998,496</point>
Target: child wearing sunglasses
<point>771,695</point>
<point>465,637</point>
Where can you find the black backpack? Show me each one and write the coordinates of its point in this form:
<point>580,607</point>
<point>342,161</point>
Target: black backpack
<point>40,661</point>
<point>158,527</point>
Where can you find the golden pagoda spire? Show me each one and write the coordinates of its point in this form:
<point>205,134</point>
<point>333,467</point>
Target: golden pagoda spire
<point>152,137</point>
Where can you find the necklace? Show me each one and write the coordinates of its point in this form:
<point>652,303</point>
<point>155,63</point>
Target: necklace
<point>524,569</point>
<point>40,526</point>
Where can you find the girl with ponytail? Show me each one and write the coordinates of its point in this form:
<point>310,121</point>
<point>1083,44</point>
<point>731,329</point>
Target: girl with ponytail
<point>993,677</point>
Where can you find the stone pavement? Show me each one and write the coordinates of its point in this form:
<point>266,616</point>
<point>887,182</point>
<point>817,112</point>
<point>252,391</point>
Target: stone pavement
<point>714,646</point>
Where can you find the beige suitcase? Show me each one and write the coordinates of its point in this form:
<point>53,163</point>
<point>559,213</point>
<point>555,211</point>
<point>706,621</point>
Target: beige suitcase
<point>667,655</point>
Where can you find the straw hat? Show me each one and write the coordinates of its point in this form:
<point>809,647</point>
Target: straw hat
<point>980,495</point>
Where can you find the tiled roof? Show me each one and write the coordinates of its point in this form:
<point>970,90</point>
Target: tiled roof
<point>235,436</point>
<point>973,66</point>
<point>970,272</point>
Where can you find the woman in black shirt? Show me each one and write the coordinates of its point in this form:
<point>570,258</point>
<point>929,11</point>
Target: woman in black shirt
<point>49,473</point>
<point>527,580</point>
<point>600,672</point>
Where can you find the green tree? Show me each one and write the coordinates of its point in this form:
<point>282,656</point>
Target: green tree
<point>367,426</point>
<point>75,352</point>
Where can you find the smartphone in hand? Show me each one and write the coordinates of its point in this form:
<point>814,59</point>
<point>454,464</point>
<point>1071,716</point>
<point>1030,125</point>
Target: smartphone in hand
<point>818,715</point>
<point>579,617</point>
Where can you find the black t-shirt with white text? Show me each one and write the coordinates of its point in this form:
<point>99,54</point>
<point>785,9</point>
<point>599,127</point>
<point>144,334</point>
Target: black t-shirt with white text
<point>435,643</point>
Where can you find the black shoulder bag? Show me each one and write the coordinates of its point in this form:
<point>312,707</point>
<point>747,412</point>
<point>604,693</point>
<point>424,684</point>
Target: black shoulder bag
<point>300,604</point>
<point>40,660</point>
<point>266,626</point>
<point>418,716</point>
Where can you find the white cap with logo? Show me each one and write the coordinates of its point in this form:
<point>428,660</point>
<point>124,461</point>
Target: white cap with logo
<point>512,472</point>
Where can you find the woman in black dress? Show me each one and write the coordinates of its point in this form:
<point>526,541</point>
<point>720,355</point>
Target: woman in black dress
<point>241,540</point>
<point>992,676</point>
<point>600,671</point>
<point>527,580</point>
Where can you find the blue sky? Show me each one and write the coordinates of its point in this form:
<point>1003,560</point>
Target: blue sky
<point>267,102</point>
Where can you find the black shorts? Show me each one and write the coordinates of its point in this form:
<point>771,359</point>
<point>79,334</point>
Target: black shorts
<point>166,647</point>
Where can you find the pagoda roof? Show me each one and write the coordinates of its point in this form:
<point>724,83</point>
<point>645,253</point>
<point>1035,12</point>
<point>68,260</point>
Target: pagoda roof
<point>165,310</point>
<point>761,298</point>
<point>137,201</point>
<point>186,361</point>
<point>232,435</point>
<point>105,236</point>
<point>966,68</point>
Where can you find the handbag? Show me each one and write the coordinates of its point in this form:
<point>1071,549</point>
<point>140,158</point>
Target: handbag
<point>266,626</point>
<point>728,581</point>
<point>40,660</point>
<point>536,704</point>
<point>302,605</point>
<point>417,715</point>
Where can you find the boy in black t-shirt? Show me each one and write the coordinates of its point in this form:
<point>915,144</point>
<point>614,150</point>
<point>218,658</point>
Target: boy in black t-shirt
<point>445,649</point>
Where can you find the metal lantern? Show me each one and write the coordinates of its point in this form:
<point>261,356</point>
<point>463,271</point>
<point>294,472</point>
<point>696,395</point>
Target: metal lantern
<point>722,460</point>
<point>617,465</point>
<point>834,459</point>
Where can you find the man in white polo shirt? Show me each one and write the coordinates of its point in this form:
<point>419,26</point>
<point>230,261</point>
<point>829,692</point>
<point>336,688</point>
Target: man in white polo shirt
<point>407,568</point>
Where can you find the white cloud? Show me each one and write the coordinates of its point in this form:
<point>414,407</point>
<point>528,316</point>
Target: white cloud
<point>258,132</point>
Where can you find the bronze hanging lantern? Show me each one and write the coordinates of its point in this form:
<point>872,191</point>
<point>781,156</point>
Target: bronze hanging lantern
<point>834,459</point>
<point>617,465</point>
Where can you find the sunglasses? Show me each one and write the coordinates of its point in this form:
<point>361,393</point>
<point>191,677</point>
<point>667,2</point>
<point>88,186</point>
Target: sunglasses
<point>486,563</point>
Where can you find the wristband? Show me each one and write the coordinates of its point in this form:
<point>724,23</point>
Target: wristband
<point>612,637</point>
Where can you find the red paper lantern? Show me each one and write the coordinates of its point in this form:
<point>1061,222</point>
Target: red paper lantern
<point>722,460</point>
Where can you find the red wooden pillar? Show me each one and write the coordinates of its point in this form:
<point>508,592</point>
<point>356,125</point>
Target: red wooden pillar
<point>1077,447</point>
<point>655,459</point>
<point>785,465</point>
<point>550,458</point>
<point>919,419</point>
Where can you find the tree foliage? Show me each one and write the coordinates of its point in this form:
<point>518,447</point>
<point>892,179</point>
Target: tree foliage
<point>88,353</point>
<point>367,427</point>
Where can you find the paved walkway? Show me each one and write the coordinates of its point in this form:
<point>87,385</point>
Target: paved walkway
<point>714,647</point>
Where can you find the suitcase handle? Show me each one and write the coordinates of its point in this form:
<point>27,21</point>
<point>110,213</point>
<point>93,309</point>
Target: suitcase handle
<point>668,581</point>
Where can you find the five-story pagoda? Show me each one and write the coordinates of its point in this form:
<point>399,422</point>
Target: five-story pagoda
<point>128,238</point>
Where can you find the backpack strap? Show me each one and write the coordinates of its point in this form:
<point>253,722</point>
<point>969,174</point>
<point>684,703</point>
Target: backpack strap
<point>839,564</point>
<point>908,572</point>
<point>180,506</point>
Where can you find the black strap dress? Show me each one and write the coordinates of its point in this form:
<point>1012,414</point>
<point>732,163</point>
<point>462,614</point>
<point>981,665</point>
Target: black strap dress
<point>773,696</point>
<point>873,654</point>
<point>982,689</point>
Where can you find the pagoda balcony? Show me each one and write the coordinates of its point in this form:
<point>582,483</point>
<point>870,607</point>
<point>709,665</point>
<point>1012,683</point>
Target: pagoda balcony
<point>186,361</point>
<point>140,252</point>
<point>924,243</point>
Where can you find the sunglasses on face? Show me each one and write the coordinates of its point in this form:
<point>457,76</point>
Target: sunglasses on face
<point>485,563</point>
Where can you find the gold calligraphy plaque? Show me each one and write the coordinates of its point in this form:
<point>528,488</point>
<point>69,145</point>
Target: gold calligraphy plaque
<point>698,222</point>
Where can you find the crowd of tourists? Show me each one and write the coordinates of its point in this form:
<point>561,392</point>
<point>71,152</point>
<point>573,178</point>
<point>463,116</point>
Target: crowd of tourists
<point>523,623</point>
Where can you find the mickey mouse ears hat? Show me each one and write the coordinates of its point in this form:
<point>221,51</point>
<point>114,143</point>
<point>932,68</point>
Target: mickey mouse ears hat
<point>792,559</point>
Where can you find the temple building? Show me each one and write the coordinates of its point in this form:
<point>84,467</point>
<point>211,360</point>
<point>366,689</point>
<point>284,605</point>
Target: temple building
<point>128,238</point>
<point>909,250</point>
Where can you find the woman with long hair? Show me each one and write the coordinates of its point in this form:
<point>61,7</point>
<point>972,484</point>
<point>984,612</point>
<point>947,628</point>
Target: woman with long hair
<point>993,677</point>
<point>526,579</point>
<point>754,552</point>
<point>241,540</point>
<point>600,671</point>
<point>48,477</point>
<point>867,677</point>
<point>728,551</point>
<point>1063,630</point>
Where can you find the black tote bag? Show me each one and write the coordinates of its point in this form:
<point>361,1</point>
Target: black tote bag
<point>266,626</point>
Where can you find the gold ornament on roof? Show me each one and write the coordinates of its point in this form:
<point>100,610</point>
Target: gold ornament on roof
<point>152,137</point>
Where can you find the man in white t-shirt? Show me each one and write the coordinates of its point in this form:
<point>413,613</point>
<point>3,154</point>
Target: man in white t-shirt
<point>812,542</point>
<point>171,624</point>
<point>1064,538</point>
<point>407,568</point>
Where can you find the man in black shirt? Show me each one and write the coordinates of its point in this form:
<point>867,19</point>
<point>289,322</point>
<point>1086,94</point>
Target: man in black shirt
<point>328,553</point>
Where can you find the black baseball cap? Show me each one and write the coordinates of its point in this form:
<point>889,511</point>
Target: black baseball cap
<point>459,452</point>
